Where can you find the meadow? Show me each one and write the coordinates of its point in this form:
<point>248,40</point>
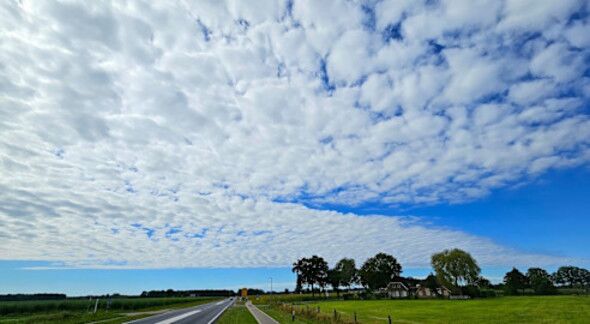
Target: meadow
<point>74,310</point>
<point>522,309</point>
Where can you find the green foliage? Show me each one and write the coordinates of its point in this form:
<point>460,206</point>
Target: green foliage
<point>540,281</point>
<point>482,282</point>
<point>455,267</point>
<point>334,279</point>
<point>379,270</point>
<point>311,271</point>
<point>513,281</point>
<point>570,276</point>
<point>348,272</point>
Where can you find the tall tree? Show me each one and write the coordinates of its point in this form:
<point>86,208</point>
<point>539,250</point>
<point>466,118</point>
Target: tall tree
<point>379,270</point>
<point>455,268</point>
<point>319,272</point>
<point>515,280</point>
<point>334,279</point>
<point>311,271</point>
<point>540,281</point>
<point>348,272</point>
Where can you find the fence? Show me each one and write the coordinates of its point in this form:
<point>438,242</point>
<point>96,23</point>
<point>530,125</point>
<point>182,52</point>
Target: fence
<point>314,313</point>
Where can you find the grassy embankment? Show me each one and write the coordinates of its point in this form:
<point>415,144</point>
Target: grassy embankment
<point>522,309</point>
<point>72,311</point>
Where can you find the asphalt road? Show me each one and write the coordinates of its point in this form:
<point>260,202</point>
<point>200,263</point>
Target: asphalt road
<point>202,314</point>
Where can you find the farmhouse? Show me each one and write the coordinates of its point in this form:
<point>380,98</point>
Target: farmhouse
<point>397,289</point>
<point>400,289</point>
<point>425,292</point>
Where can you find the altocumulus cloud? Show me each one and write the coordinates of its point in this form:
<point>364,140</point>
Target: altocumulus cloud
<point>172,134</point>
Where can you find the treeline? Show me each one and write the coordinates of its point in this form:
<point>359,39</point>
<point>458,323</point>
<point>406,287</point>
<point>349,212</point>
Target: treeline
<point>454,269</point>
<point>188,293</point>
<point>542,283</point>
<point>22,297</point>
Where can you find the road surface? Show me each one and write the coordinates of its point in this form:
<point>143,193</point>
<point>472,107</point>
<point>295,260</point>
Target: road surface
<point>202,314</point>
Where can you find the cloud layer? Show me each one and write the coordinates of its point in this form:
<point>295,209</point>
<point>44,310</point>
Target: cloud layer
<point>192,133</point>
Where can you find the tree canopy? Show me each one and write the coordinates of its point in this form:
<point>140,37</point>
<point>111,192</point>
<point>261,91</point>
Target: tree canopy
<point>455,267</point>
<point>311,271</point>
<point>570,276</point>
<point>540,281</point>
<point>347,271</point>
<point>515,280</point>
<point>379,270</point>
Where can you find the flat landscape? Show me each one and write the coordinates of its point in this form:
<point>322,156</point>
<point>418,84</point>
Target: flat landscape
<point>525,309</point>
<point>73,311</point>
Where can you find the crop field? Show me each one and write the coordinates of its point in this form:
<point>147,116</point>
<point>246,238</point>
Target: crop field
<point>525,309</point>
<point>81,310</point>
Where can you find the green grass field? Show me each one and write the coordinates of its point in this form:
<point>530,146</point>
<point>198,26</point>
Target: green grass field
<point>72,311</point>
<point>527,309</point>
<point>237,314</point>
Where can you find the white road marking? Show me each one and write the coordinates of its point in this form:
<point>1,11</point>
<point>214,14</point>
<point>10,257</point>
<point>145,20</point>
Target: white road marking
<point>218,314</point>
<point>179,317</point>
<point>221,302</point>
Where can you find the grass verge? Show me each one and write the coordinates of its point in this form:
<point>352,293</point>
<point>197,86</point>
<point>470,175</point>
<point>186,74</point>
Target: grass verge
<point>237,314</point>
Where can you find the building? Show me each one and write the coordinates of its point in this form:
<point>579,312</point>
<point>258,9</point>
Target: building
<point>425,292</point>
<point>397,289</point>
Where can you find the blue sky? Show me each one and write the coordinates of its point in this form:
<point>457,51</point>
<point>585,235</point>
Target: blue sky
<point>227,138</point>
<point>552,210</point>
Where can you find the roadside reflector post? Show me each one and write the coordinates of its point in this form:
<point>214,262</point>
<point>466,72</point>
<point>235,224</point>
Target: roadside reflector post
<point>318,309</point>
<point>354,317</point>
<point>293,316</point>
<point>389,318</point>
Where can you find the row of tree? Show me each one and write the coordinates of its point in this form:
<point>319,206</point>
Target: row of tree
<point>454,269</point>
<point>542,283</point>
<point>375,273</point>
<point>188,293</point>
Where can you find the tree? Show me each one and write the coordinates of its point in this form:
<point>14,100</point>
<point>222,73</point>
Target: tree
<point>348,272</point>
<point>515,280</point>
<point>334,279</point>
<point>482,282</point>
<point>431,283</point>
<point>379,270</point>
<point>455,267</point>
<point>299,285</point>
<point>570,276</point>
<point>311,271</point>
<point>540,281</point>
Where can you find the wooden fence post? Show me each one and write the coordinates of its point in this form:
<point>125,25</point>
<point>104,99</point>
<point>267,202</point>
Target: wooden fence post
<point>389,318</point>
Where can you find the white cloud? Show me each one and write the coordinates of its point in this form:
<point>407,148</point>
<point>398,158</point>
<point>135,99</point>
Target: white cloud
<point>203,115</point>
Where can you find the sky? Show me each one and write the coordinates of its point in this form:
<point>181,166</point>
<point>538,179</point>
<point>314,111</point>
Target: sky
<point>209,144</point>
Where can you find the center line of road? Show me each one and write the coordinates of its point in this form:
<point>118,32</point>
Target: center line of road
<point>179,317</point>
